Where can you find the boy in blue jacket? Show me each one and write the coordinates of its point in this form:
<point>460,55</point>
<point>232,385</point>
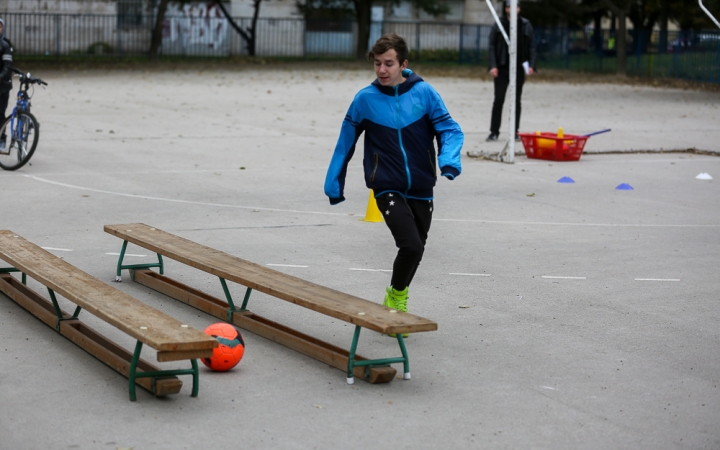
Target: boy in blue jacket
<point>402,117</point>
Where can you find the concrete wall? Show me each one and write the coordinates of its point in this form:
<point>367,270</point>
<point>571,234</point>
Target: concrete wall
<point>59,6</point>
<point>477,12</point>
<point>284,9</point>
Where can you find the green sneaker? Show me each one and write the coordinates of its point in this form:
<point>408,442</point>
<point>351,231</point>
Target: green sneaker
<point>389,298</point>
<point>396,300</point>
<point>400,299</point>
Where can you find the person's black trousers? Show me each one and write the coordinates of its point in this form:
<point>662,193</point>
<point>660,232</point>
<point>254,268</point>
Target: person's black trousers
<point>4,97</point>
<point>501,83</point>
<point>409,222</point>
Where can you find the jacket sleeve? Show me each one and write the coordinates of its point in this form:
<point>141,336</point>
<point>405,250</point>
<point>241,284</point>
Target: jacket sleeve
<point>450,140</point>
<point>344,150</point>
<point>7,60</point>
<point>531,50</point>
<point>492,46</point>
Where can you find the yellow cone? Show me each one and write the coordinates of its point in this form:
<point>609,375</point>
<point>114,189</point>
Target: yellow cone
<point>373,213</point>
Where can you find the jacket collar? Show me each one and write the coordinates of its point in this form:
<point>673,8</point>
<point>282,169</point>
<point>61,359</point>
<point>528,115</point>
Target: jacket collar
<point>403,87</point>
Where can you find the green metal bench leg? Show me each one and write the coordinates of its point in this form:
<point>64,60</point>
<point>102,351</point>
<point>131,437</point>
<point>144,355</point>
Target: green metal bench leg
<point>194,371</point>
<point>196,378</point>
<point>351,356</point>
<point>406,362</point>
<point>133,370</point>
<point>120,266</point>
<point>118,274</point>
<point>368,363</point>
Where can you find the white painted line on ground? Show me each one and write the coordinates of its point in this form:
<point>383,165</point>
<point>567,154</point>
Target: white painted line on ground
<point>186,202</point>
<point>548,387</point>
<point>57,249</point>
<point>370,270</point>
<point>325,213</point>
<point>471,274</point>
<point>286,265</point>
<point>657,279</point>
<point>551,277</point>
<point>126,254</point>
<point>574,224</point>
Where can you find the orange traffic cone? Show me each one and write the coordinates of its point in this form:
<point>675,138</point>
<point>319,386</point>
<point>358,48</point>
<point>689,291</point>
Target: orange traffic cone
<point>373,213</point>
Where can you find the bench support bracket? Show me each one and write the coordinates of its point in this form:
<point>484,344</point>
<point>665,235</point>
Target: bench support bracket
<point>120,266</point>
<point>59,313</point>
<point>159,374</point>
<point>369,363</point>
<point>12,269</point>
<point>232,309</point>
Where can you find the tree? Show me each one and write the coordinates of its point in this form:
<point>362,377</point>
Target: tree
<point>643,14</point>
<point>620,8</point>
<point>156,37</point>
<point>553,13</point>
<point>249,35</point>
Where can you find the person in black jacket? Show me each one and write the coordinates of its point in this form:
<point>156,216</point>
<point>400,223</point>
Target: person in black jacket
<point>500,66</point>
<point>5,76</point>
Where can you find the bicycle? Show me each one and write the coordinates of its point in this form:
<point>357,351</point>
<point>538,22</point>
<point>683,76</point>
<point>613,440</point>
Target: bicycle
<point>20,133</point>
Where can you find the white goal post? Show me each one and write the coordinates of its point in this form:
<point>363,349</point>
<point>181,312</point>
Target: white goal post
<point>507,154</point>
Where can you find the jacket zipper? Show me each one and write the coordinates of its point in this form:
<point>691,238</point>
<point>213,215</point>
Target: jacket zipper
<point>402,148</point>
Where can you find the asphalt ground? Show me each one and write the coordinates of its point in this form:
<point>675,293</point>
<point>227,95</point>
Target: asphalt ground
<point>571,315</point>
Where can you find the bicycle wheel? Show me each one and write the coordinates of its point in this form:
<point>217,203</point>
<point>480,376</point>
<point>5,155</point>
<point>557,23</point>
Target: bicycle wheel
<point>18,144</point>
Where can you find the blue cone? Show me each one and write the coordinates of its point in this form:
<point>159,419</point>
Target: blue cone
<point>624,187</point>
<point>566,180</point>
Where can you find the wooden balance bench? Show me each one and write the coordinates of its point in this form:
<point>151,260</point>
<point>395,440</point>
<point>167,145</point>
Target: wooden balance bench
<point>355,310</point>
<point>173,340</point>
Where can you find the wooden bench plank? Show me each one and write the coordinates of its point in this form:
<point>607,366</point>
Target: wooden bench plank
<point>325,300</point>
<point>160,331</point>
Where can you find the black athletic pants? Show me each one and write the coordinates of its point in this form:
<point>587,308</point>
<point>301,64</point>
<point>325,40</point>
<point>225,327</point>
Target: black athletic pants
<point>4,97</point>
<point>409,221</point>
<point>501,83</point>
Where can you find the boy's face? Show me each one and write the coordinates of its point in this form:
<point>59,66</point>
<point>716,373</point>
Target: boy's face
<point>388,69</point>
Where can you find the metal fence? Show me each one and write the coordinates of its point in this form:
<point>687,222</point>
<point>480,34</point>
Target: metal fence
<point>692,55</point>
<point>679,54</point>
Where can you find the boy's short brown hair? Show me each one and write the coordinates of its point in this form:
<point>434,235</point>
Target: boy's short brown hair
<point>387,42</point>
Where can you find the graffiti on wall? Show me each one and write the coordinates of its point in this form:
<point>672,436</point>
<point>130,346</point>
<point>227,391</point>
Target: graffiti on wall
<point>195,28</point>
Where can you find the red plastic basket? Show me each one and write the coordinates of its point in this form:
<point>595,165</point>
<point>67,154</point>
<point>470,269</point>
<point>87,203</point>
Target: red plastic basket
<point>550,146</point>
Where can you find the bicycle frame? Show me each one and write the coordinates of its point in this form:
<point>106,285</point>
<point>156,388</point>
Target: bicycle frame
<point>22,104</point>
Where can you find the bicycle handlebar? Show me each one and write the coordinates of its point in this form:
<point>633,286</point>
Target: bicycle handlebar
<point>26,78</point>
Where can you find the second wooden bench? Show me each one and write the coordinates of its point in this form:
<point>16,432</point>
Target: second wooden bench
<point>342,306</point>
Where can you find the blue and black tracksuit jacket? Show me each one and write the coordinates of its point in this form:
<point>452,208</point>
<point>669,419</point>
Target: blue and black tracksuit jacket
<point>401,124</point>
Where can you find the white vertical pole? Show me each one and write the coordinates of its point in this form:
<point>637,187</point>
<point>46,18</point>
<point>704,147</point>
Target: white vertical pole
<point>708,13</point>
<point>510,156</point>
